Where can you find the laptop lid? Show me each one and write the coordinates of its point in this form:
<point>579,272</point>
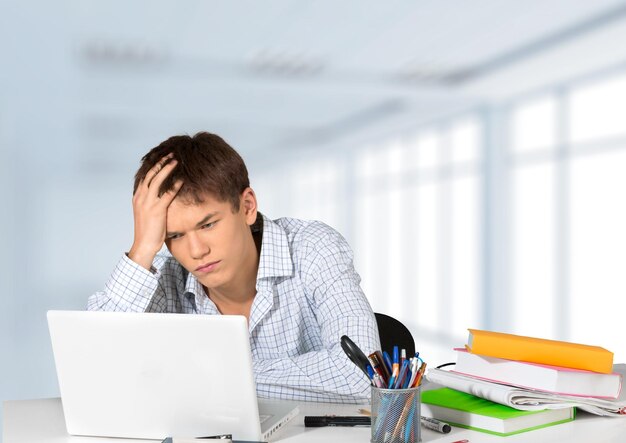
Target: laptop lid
<point>149,375</point>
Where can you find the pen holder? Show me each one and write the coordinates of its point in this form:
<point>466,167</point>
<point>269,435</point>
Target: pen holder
<point>396,415</point>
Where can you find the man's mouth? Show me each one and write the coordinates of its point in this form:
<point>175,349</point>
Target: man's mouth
<point>208,267</point>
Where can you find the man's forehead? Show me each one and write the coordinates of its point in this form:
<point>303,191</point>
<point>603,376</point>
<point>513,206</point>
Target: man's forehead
<point>196,199</point>
<point>181,212</point>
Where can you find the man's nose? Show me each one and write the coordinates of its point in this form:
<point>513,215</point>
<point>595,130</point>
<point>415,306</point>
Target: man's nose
<point>197,247</point>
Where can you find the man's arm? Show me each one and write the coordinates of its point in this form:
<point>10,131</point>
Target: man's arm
<point>134,284</point>
<point>341,308</point>
<point>132,288</point>
<point>150,212</point>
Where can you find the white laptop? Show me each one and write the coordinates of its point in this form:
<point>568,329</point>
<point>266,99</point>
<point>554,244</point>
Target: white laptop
<point>154,376</point>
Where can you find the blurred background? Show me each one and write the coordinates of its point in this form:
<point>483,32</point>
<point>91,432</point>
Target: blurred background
<point>472,153</point>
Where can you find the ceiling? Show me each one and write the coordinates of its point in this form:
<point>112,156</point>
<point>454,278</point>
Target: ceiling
<point>108,79</point>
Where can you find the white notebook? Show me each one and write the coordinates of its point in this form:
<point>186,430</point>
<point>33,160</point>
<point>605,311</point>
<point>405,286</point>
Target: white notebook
<point>152,376</point>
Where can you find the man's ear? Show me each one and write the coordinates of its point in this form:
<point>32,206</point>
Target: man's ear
<point>248,205</point>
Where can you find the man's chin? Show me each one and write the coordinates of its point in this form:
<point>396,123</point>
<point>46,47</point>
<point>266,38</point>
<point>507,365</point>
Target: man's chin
<point>209,281</point>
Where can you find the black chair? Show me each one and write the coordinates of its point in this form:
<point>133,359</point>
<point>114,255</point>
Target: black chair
<point>393,333</point>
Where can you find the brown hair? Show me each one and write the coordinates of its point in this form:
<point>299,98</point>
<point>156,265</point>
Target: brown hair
<point>206,165</point>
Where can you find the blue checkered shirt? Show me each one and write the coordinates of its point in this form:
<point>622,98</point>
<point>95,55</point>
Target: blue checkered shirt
<point>308,296</point>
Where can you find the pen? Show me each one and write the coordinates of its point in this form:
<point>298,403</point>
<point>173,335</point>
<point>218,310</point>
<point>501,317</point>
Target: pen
<point>435,425</point>
<point>403,375</point>
<point>420,374</point>
<point>370,372</point>
<point>387,360</point>
<point>317,421</point>
<point>414,370</point>
<point>377,365</point>
<point>396,368</point>
<point>374,377</point>
<point>384,366</point>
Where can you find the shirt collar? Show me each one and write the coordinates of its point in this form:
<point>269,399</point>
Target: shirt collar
<point>193,285</point>
<point>275,259</point>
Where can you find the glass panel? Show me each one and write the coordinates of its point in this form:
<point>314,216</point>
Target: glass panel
<point>465,141</point>
<point>373,248</point>
<point>364,248</point>
<point>465,306</point>
<point>398,158</point>
<point>396,264</point>
<point>314,193</point>
<point>533,251</point>
<point>533,125</point>
<point>410,246</point>
<point>428,148</point>
<point>598,251</point>
<point>427,255</point>
<point>371,162</point>
<point>598,110</point>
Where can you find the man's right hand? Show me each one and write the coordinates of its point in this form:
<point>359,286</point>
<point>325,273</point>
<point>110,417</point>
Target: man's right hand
<point>150,212</point>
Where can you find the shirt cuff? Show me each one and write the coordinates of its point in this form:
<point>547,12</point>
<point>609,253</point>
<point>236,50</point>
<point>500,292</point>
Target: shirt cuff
<point>132,285</point>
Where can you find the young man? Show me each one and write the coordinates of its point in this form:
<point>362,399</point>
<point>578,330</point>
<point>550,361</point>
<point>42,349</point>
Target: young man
<point>293,280</point>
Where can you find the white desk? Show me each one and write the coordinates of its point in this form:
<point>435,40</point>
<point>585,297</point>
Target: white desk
<point>39,421</point>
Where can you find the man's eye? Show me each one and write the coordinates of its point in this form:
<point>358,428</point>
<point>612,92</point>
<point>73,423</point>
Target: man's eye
<point>173,237</point>
<point>208,225</point>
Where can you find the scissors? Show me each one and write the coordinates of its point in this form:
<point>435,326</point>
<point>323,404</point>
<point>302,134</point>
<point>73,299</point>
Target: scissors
<point>355,354</point>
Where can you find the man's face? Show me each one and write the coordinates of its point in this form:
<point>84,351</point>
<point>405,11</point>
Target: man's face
<point>211,241</point>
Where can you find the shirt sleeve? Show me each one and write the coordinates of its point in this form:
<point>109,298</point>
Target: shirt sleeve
<point>132,288</point>
<point>333,288</point>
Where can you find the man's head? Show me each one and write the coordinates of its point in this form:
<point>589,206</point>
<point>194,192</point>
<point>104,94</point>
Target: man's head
<point>207,224</point>
<point>207,166</point>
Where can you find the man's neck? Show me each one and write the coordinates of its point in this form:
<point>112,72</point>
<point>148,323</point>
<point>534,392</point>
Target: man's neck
<point>237,297</point>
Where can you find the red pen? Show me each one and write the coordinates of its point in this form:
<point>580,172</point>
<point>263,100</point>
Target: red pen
<point>420,374</point>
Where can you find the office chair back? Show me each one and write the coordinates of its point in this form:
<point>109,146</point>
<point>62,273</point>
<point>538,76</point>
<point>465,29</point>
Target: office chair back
<point>393,333</point>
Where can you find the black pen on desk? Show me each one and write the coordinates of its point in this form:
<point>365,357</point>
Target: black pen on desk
<point>318,421</point>
<point>435,425</point>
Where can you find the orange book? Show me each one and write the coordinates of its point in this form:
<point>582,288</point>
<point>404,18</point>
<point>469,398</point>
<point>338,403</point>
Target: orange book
<point>540,350</point>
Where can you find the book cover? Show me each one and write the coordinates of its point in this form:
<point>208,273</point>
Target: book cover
<point>554,379</point>
<point>471,412</point>
<point>539,350</point>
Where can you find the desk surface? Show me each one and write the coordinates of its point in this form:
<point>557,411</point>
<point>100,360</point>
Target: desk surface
<point>38,421</point>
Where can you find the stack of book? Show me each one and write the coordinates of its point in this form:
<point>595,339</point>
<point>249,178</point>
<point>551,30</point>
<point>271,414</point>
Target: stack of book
<point>505,383</point>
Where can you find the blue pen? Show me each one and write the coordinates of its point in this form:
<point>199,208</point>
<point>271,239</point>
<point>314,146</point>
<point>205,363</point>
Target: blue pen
<point>407,379</point>
<point>387,361</point>
<point>374,376</point>
<point>401,378</point>
<point>396,368</point>
<point>370,372</point>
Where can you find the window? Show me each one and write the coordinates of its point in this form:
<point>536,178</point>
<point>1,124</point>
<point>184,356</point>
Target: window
<point>418,242</point>
<point>598,110</point>
<point>567,223</point>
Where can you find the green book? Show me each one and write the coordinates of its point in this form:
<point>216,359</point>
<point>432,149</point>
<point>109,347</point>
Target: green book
<point>471,412</point>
